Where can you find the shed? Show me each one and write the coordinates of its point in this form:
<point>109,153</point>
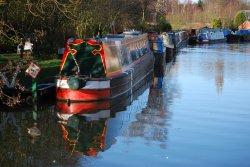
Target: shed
<point>244,26</point>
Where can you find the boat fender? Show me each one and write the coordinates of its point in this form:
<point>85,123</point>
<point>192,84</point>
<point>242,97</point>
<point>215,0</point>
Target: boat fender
<point>76,83</point>
<point>73,83</point>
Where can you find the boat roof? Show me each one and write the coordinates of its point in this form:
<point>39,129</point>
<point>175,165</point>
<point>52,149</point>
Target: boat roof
<point>120,37</point>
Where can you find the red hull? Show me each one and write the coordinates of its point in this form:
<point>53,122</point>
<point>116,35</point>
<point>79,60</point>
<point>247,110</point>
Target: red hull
<point>86,107</point>
<point>83,95</point>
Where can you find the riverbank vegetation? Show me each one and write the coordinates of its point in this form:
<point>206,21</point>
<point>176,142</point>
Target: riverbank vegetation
<point>50,23</point>
<point>13,77</point>
<point>204,12</point>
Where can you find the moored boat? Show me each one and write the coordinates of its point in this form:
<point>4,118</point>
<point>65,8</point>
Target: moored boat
<point>209,35</point>
<point>192,40</point>
<point>104,69</point>
<point>157,47</point>
<point>233,38</point>
<point>244,35</point>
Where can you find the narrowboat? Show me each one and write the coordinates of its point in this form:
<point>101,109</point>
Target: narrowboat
<point>233,38</point>
<point>192,40</point>
<point>244,35</point>
<point>176,41</point>
<point>209,35</point>
<point>157,47</point>
<point>99,70</point>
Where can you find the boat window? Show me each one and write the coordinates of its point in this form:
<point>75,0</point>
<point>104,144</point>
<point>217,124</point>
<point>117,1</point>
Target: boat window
<point>119,54</point>
<point>112,52</point>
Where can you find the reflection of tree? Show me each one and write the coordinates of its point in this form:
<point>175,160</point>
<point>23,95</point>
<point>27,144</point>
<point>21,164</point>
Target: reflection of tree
<point>16,148</point>
<point>9,80</point>
<point>219,78</point>
<point>151,122</point>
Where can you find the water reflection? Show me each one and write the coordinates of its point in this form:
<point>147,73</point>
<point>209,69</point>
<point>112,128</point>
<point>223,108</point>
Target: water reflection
<point>38,135</point>
<point>86,133</point>
<point>219,61</point>
<point>206,90</point>
<point>150,123</point>
<point>90,132</point>
<point>219,75</point>
<point>29,142</point>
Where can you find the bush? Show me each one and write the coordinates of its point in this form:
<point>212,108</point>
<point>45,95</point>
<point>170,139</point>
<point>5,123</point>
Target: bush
<point>163,25</point>
<point>217,23</point>
<point>229,24</point>
<point>240,18</point>
<point>143,26</point>
<point>7,46</point>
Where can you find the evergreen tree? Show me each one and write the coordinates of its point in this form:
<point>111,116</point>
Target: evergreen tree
<point>217,23</point>
<point>200,4</point>
<point>164,25</point>
<point>240,18</point>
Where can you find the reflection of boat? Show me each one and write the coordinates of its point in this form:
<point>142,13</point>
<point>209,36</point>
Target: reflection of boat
<point>86,134</point>
<point>118,104</point>
<point>97,70</point>
<point>91,131</point>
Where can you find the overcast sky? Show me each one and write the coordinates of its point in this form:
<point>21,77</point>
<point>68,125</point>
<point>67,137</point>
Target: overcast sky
<point>197,1</point>
<point>191,0</point>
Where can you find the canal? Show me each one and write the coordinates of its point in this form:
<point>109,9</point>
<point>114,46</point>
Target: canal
<point>201,117</point>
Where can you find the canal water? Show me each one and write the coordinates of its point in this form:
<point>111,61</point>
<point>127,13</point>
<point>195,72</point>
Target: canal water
<point>201,117</point>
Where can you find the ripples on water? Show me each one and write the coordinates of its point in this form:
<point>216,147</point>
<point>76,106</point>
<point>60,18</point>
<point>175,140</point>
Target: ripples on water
<point>201,117</point>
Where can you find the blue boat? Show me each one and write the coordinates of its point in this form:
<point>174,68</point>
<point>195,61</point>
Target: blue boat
<point>209,35</point>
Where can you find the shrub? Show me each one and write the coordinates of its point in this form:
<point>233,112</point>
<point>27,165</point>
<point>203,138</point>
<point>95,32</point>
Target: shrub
<point>216,23</point>
<point>163,25</point>
<point>240,17</point>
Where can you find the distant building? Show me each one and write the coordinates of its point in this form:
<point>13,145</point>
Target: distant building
<point>244,26</point>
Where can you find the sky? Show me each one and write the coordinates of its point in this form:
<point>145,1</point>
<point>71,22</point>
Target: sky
<point>194,1</point>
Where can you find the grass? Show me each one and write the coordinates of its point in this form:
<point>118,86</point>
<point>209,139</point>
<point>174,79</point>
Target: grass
<point>4,58</point>
<point>49,69</point>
